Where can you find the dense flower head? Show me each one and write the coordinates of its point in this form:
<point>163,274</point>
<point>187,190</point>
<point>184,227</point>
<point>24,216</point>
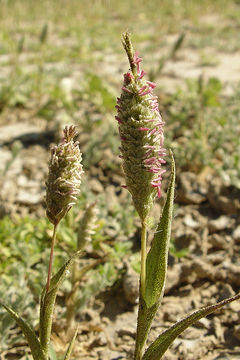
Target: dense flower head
<point>141,133</point>
<point>87,225</point>
<point>64,178</point>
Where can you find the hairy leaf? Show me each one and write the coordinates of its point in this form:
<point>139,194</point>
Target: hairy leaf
<point>157,349</point>
<point>145,318</point>
<point>48,301</point>
<point>29,333</point>
<point>156,263</point>
<point>156,268</point>
<point>70,346</point>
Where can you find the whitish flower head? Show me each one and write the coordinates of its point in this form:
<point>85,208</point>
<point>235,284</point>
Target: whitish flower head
<point>141,133</point>
<point>87,225</point>
<point>64,178</point>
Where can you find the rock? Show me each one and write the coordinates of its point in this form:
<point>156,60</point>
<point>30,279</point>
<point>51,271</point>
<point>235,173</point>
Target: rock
<point>131,285</point>
<point>96,186</point>
<point>203,269</point>
<point>203,323</point>
<point>190,191</point>
<point>5,156</point>
<point>29,198</point>
<point>190,222</point>
<point>236,332</point>
<point>26,133</point>
<point>225,291</point>
<point>218,329</point>
<point>221,223</point>
<point>228,272</point>
<point>111,198</point>
<point>218,242</point>
<point>223,198</point>
<point>236,234</point>
<point>66,85</point>
<point>184,237</point>
<point>13,131</point>
<point>173,277</point>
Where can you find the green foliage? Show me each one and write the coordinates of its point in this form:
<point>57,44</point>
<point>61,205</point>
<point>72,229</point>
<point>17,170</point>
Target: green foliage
<point>48,301</point>
<point>156,269</point>
<point>15,91</point>
<point>33,342</point>
<point>164,59</point>
<point>202,123</point>
<point>24,239</point>
<point>99,92</point>
<point>70,347</point>
<point>177,253</point>
<point>203,128</point>
<point>156,263</point>
<point>24,259</point>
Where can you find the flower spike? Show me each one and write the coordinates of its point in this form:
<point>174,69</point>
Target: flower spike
<point>64,178</point>
<point>141,133</point>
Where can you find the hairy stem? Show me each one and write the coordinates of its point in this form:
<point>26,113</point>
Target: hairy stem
<point>139,336</point>
<point>143,259</point>
<point>51,258</point>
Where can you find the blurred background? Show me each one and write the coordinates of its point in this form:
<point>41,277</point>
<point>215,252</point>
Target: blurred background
<point>62,63</point>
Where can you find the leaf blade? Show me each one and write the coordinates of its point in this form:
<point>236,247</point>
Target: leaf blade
<point>70,346</point>
<point>29,333</point>
<point>148,306</point>
<point>48,301</point>
<point>156,263</point>
<point>157,349</point>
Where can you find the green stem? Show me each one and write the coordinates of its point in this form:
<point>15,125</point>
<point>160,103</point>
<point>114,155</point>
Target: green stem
<point>51,258</point>
<point>140,337</point>
<point>71,301</point>
<point>143,259</point>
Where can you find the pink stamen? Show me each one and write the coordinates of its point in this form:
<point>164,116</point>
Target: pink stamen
<point>153,158</point>
<point>156,184</point>
<point>128,77</point>
<point>150,160</point>
<point>141,75</point>
<point>151,120</point>
<point>151,84</point>
<point>144,93</point>
<point>118,120</point>
<point>126,90</point>
<point>136,61</point>
<point>152,132</point>
<point>149,152</point>
<point>153,170</point>
<point>159,193</point>
<point>161,152</point>
<point>159,177</point>
<point>142,88</point>
<point>136,58</point>
<point>149,147</point>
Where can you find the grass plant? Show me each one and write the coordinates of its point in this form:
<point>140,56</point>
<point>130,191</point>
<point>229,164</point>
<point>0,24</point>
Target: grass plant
<point>142,151</point>
<point>37,54</point>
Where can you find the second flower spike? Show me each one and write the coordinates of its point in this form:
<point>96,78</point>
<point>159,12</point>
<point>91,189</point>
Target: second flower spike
<point>64,178</point>
<point>141,133</point>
